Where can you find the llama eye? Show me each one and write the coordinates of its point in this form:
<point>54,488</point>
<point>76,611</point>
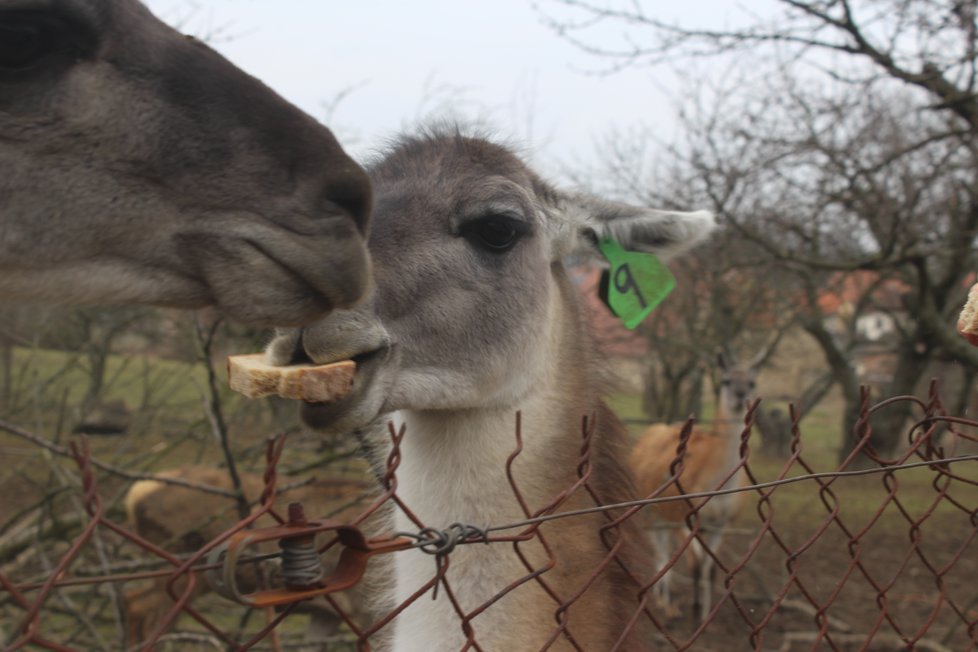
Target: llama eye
<point>496,233</point>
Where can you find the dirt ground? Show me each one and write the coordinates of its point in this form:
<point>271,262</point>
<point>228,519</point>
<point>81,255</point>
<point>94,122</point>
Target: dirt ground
<point>916,578</point>
<point>914,582</point>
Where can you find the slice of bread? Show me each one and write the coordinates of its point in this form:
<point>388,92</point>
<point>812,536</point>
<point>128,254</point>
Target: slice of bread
<point>968,321</point>
<point>252,376</point>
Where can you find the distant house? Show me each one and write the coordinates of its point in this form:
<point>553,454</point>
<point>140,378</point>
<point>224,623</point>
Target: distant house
<point>626,350</point>
<point>866,307</point>
<point>613,338</point>
<point>876,326</point>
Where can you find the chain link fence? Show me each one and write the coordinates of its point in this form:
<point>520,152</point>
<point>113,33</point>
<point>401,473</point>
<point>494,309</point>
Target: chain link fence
<point>876,554</point>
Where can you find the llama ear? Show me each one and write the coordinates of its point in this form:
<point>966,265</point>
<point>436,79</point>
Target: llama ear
<point>635,228</point>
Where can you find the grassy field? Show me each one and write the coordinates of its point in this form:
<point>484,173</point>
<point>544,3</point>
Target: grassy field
<point>876,557</point>
<point>162,395</point>
<point>857,498</point>
<point>169,426</point>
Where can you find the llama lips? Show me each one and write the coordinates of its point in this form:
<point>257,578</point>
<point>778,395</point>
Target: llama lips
<point>252,376</point>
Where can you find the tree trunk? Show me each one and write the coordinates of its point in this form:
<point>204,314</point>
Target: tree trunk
<point>843,374</point>
<point>890,425</point>
<point>672,396</point>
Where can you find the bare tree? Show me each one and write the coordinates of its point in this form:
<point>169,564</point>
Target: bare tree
<point>723,303</point>
<point>848,148</point>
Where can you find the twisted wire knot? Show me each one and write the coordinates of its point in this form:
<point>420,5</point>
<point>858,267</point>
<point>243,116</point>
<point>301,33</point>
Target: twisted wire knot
<point>442,542</point>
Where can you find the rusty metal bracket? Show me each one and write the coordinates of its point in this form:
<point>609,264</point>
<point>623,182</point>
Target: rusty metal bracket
<point>356,552</point>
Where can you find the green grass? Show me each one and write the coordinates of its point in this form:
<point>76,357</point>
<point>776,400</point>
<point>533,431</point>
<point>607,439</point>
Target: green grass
<point>627,406</point>
<point>169,429</point>
<point>857,498</point>
<point>44,379</point>
<point>169,426</point>
<point>165,397</point>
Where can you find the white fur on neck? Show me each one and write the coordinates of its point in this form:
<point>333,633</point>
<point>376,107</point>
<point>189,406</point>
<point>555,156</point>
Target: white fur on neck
<point>728,426</point>
<point>453,469</point>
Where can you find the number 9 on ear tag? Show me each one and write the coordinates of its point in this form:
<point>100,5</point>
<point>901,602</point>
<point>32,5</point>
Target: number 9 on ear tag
<point>634,284</point>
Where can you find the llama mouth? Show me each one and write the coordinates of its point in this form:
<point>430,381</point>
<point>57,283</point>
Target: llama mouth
<point>367,359</point>
<point>271,277</point>
<point>358,407</point>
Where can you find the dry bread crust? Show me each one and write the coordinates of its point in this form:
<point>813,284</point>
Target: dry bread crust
<point>252,376</point>
<point>968,321</point>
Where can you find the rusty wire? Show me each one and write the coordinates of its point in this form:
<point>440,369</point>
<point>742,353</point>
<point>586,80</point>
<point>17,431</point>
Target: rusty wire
<point>733,609</point>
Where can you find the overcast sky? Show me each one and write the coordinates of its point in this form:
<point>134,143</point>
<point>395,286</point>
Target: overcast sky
<point>399,60</point>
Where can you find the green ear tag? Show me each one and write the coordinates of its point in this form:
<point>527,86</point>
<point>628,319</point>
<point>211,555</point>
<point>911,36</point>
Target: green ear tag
<point>635,283</point>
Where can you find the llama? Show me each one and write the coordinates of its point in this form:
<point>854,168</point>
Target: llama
<point>709,462</point>
<point>182,519</point>
<point>472,319</point>
<point>137,165</point>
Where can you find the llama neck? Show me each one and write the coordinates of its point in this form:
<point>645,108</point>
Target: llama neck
<point>728,427</point>
<point>453,466</point>
<point>454,469</point>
